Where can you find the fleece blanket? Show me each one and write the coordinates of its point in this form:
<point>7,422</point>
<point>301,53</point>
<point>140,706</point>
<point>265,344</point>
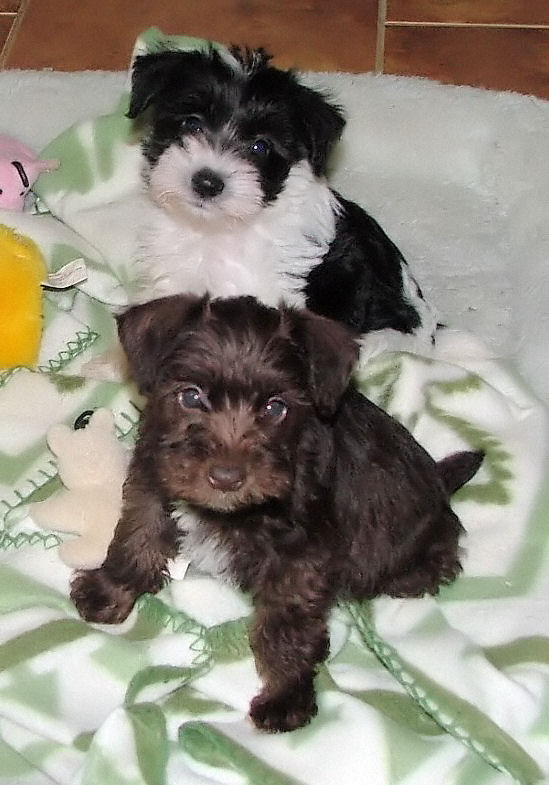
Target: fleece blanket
<point>452,689</point>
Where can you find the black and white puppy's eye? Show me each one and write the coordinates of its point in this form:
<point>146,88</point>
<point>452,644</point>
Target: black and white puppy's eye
<point>193,124</point>
<point>260,147</point>
<point>275,409</point>
<point>193,398</point>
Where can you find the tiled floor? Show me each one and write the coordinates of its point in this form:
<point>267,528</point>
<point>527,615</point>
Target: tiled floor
<point>499,44</point>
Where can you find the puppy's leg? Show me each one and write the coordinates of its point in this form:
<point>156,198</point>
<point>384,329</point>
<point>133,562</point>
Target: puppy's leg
<point>145,538</point>
<point>289,640</point>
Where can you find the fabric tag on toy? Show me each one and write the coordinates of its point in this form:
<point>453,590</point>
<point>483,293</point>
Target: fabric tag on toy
<point>70,274</point>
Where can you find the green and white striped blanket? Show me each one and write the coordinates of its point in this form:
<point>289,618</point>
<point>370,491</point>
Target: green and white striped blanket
<point>452,690</point>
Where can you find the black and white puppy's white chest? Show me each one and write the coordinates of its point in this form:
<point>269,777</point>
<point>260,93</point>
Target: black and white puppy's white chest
<point>269,256</point>
<point>235,157</point>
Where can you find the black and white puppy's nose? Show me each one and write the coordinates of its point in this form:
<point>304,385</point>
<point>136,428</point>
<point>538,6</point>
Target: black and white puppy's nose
<point>226,477</point>
<point>207,184</point>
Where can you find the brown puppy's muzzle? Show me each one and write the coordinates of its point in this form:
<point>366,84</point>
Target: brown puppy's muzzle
<point>226,477</point>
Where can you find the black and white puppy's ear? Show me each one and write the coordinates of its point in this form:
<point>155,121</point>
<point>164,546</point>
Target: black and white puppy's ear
<point>330,351</point>
<point>153,73</point>
<point>148,332</point>
<point>149,75</point>
<point>320,123</point>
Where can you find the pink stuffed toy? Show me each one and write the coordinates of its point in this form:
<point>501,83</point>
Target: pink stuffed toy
<point>19,168</point>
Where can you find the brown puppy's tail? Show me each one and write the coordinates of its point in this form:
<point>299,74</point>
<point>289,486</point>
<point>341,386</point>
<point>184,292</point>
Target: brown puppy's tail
<point>459,468</point>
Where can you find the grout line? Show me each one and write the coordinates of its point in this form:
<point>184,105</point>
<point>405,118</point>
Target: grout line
<point>380,36</point>
<point>491,25</point>
<point>16,24</point>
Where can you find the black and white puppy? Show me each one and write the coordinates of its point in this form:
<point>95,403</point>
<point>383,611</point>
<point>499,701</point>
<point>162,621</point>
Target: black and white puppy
<point>235,159</point>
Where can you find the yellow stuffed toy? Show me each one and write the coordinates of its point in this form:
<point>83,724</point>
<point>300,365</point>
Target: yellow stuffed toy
<point>22,270</point>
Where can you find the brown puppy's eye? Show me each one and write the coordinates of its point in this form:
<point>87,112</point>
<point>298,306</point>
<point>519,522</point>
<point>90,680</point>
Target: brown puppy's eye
<point>193,398</point>
<point>275,409</point>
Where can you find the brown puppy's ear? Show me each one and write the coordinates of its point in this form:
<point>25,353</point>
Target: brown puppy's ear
<point>148,331</point>
<point>331,351</point>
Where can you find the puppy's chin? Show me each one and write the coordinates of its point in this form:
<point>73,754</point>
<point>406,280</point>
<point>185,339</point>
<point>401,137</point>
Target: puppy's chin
<point>195,490</point>
<point>226,503</point>
<point>203,216</point>
<point>204,497</point>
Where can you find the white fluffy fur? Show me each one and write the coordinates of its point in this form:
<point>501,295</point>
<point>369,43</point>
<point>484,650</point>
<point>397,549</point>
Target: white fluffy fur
<point>170,183</point>
<point>208,555</point>
<point>266,255</point>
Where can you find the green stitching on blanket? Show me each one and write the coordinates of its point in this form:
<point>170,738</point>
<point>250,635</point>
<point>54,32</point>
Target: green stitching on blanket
<point>82,340</point>
<point>42,485</point>
<point>27,539</point>
<point>177,622</point>
<point>488,740</point>
<point>224,642</point>
<point>229,641</point>
<point>401,709</point>
<point>212,747</point>
<point>5,376</point>
<point>14,467</point>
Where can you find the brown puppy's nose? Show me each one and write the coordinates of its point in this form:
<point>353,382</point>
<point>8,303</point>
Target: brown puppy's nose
<point>226,477</point>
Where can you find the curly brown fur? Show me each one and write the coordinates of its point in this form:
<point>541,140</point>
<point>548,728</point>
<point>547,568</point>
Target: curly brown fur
<point>300,490</point>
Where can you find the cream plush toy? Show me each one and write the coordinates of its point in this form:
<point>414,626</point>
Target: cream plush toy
<point>92,465</point>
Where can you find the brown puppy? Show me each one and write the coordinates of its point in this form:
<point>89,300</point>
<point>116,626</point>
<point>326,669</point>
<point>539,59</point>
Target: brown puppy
<point>295,486</point>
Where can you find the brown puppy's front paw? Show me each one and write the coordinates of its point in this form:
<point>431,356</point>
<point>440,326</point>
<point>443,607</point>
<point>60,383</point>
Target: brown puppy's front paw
<point>283,712</point>
<point>99,599</point>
